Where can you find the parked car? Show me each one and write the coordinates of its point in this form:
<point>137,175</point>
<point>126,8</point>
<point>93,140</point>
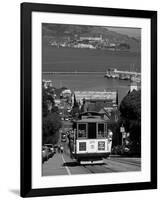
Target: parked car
<point>127,150</point>
<point>45,154</point>
<point>51,149</point>
<point>55,148</point>
<point>63,137</point>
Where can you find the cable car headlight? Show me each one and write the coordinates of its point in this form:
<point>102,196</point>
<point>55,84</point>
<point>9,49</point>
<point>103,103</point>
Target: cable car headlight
<point>110,134</point>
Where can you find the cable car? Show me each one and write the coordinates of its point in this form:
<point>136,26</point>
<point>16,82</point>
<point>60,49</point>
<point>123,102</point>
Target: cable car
<point>92,140</point>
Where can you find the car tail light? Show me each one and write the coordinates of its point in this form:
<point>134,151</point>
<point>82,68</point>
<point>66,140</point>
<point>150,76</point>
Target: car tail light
<point>82,146</point>
<point>101,145</point>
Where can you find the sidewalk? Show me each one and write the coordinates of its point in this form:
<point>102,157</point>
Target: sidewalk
<point>54,166</point>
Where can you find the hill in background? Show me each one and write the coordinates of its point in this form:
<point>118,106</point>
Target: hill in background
<point>59,31</point>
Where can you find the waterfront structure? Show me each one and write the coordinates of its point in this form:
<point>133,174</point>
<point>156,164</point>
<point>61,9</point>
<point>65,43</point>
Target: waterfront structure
<point>82,45</point>
<point>112,45</point>
<point>91,38</point>
<point>123,75</point>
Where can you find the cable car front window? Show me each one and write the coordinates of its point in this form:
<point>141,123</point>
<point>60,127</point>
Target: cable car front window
<point>101,131</point>
<point>82,133</point>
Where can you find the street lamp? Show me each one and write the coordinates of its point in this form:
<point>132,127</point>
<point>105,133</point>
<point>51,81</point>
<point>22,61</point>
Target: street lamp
<point>122,130</point>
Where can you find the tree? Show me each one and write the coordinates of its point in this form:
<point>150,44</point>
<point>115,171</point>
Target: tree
<point>130,116</point>
<point>47,100</point>
<point>124,46</point>
<point>130,106</point>
<point>75,102</point>
<point>75,112</point>
<point>51,118</point>
<point>51,126</point>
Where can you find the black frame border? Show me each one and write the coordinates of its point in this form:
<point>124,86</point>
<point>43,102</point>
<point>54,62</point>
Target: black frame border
<point>26,104</point>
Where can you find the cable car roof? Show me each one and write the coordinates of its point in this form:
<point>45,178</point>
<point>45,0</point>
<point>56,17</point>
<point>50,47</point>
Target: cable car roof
<point>90,113</point>
<point>88,120</point>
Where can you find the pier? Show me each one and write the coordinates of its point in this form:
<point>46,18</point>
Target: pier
<point>112,71</point>
<point>129,73</point>
<point>73,72</point>
<point>123,75</point>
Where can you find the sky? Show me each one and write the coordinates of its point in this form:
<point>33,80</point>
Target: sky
<point>131,32</point>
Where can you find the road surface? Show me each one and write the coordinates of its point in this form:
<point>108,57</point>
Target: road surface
<point>62,164</point>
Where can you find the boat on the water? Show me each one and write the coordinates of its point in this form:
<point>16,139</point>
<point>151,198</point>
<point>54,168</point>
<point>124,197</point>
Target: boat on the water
<point>136,79</point>
<point>111,73</point>
<point>124,77</point>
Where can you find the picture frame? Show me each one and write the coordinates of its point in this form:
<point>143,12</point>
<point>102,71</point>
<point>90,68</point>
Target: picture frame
<point>27,106</point>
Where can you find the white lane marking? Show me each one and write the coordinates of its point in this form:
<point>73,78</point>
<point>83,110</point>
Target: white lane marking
<point>68,171</point>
